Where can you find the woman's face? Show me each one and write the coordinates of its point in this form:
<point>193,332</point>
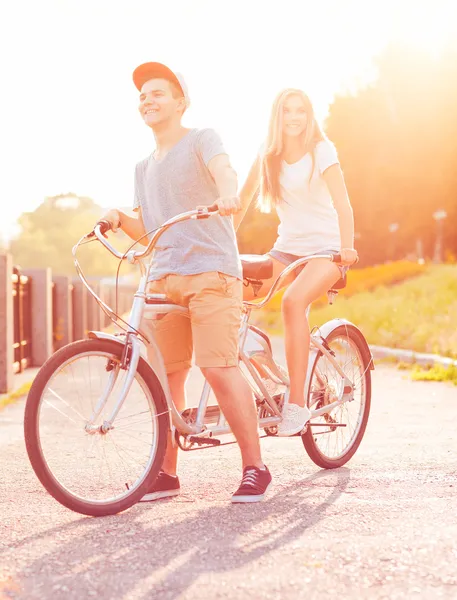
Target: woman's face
<point>295,116</point>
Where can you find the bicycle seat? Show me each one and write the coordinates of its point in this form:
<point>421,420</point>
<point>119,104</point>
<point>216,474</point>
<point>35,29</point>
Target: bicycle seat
<point>256,266</point>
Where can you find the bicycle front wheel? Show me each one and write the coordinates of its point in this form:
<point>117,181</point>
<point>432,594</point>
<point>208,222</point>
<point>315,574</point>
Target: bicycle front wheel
<point>337,434</point>
<point>88,470</point>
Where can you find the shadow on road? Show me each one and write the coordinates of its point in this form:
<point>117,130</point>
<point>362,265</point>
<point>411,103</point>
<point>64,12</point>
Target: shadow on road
<point>162,559</point>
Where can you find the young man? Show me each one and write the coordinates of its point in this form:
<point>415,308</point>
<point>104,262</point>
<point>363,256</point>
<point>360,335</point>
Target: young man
<point>196,264</point>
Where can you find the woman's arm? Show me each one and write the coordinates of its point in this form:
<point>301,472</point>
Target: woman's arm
<point>248,191</point>
<point>334,179</point>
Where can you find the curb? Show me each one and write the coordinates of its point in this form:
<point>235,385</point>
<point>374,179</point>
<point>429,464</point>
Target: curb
<point>409,356</point>
<point>21,389</point>
<point>16,395</point>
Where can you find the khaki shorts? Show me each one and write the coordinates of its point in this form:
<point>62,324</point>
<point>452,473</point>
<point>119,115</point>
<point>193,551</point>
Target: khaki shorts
<point>211,329</point>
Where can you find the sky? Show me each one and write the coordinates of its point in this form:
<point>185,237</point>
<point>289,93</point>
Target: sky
<point>69,119</point>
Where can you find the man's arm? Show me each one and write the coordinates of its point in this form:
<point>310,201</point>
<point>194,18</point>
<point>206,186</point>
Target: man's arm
<point>132,226</point>
<point>227,184</point>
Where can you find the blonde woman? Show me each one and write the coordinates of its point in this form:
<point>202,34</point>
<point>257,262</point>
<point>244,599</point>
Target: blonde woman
<point>299,175</point>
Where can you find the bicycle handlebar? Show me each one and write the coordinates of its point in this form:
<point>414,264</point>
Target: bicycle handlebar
<point>99,231</point>
<point>203,212</point>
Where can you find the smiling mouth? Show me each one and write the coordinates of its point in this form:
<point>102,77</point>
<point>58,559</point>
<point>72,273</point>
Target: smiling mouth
<point>150,111</point>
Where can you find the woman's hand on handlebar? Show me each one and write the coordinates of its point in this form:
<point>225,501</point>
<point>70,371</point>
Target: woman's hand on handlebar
<point>228,205</point>
<point>349,256</point>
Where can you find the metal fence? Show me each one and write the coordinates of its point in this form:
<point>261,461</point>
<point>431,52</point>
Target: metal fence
<point>40,313</point>
<point>22,319</point>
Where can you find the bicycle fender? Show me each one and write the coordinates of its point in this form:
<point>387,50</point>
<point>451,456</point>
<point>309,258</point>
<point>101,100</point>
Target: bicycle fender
<point>327,328</point>
<point>160,373</point>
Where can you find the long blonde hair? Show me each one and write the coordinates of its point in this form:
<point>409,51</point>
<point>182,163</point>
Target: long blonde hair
<point>270,170</point>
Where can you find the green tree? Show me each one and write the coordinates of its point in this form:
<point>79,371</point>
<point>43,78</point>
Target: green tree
<point>49,233</point>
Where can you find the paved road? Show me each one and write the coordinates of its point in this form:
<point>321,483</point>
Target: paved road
<point>385,526</point>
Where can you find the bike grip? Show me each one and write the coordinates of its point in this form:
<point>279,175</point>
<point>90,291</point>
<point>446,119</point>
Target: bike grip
<point>104,226</point>
<point>206,211</point>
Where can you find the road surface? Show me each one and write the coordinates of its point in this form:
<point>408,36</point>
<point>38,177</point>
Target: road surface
<point>384,526</point>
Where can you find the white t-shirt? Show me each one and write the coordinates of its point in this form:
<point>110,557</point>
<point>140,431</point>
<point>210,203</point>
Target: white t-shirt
<point>308,219</point>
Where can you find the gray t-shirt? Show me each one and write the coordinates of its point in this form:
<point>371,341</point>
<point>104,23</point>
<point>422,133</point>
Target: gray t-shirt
<point>180,182</point>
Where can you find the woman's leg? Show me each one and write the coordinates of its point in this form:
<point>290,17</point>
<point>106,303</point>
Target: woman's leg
<point>315,280</point>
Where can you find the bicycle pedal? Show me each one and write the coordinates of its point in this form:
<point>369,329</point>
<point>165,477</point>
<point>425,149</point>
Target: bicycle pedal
<point>202,441</point>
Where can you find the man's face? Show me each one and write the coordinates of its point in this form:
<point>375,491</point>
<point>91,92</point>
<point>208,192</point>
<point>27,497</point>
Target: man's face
<point>157,104</point>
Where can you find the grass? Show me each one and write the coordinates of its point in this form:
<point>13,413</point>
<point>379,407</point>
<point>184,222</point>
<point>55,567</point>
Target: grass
<point>418,372</point>
<point>435,373</point>
<point>419,314</point>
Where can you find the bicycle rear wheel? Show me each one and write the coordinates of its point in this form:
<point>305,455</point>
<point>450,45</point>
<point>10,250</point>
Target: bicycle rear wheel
<point>330,446</point>
<point>92,472</point>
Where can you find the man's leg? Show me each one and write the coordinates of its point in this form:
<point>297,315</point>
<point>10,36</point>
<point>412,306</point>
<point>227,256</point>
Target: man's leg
<point>236,402</point>
<point>173,336</point>
<point>167,483</point>
<point>215,308</point>
<point>177,383</point>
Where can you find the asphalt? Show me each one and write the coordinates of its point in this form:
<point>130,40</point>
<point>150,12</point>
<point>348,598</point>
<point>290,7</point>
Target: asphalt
<point>383,526</point>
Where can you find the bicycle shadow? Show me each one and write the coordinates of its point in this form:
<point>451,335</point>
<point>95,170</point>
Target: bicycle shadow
<point>164,559</point>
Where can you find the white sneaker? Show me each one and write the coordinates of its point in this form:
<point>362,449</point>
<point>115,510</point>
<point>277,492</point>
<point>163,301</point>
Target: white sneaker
<point>294,418</point>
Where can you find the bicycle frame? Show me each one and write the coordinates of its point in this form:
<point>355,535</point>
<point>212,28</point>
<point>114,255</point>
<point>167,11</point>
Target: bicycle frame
<point>255,352</point>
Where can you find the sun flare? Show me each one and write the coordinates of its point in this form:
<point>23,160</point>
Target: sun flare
<point>429,26</point>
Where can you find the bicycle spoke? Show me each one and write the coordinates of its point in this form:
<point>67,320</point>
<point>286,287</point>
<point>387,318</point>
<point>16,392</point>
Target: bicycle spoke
<point>334,443</point>
<point>49,403</point>
<point>133,437</point>
<point>95,466</point>
<point>144,412</point>
<point>129,425</point>
<point>67,404</point>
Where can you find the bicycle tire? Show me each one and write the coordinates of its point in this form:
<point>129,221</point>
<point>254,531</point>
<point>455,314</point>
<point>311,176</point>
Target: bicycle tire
<point>32,439</point>
<point>308,438</point>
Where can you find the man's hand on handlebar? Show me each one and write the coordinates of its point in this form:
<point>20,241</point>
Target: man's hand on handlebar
<point>113,218</point>
<point>229,205</point>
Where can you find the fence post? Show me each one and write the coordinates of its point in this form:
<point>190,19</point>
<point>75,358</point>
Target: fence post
<point>62,311</point>
<point>41,308</point>
<point>6,323</point>
<point>79,310</point>
<point>104,295</point>
<point>109,299</point>
<point>93,309</point>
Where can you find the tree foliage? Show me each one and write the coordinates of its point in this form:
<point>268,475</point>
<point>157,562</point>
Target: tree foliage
<point>49,233</point>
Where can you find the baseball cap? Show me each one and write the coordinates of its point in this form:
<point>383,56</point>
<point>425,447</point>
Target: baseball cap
<point>151,70</point>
